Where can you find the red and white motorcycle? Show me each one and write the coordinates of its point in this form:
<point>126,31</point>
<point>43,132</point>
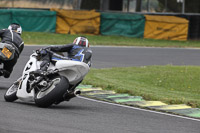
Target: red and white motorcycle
<point>52,87</point>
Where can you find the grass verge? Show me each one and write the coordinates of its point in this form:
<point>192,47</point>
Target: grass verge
<point>170,84</point>
<point>42,38</point>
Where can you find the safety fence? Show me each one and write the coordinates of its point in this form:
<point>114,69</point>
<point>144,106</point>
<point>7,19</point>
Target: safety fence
<point>92,22</point>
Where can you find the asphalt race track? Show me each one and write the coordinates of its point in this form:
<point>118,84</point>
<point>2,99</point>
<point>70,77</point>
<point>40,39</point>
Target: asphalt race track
<point>87,116</point>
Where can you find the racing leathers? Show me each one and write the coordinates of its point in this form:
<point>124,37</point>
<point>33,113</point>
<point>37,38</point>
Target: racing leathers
<point>12,39</point>
<point>75,53</point>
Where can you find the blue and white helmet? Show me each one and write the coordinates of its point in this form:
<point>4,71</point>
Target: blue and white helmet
<point>15,27</point>
<point>81,41</point>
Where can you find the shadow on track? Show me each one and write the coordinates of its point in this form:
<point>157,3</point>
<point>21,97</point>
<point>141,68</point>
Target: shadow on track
<point>62,106</point>
<point>23,103</point>
<point>3,88</point>
<point>68,107</point>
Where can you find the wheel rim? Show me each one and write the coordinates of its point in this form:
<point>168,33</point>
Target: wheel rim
<point>12,89</point>
<point>44,93</point>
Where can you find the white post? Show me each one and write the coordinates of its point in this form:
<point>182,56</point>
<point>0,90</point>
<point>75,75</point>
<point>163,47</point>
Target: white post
<point>183,6</point>
<point>79,4</point>
<point>148,5</point>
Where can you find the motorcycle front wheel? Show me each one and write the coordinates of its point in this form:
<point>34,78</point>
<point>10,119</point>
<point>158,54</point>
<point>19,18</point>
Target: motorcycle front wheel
<point>10,95</point>
<point>49,95</point>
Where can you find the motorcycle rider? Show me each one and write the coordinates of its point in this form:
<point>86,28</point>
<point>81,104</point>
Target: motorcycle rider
<point>11,46</point>
<point>77,51</point>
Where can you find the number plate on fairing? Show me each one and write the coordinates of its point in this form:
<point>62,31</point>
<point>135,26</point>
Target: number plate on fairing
<point>6,52</point>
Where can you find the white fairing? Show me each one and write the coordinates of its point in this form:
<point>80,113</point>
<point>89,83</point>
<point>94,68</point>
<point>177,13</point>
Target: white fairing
<point>22,93</point>
<point>74,71</point>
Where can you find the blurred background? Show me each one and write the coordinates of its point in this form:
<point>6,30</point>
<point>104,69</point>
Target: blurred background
<point>187,9</point>
<point>143,6</point>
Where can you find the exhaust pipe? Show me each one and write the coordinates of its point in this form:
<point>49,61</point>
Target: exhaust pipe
<point>77,92</point>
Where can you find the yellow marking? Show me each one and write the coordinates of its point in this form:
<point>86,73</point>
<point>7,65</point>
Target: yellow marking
<point>101,93</point>
<point>149,103</point>
<point>172,107</point>
<point>90,89</point>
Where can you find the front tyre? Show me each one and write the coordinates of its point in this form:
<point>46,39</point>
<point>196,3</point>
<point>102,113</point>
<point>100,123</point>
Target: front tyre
<point>49,95</point>
<point>10,95</point>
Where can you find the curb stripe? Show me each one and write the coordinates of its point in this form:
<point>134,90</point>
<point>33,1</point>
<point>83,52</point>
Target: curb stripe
<point>100,92</point>
<point>90,89</point>
<point>173,107</point>
<point>118,95</point>
<point>136,108</point>
<point>192,112</point>
<point>147,103</point>
<point>126,99</point>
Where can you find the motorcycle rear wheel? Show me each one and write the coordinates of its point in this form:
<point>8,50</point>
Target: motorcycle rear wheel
<point>47,96</point>
<point>10,95</point>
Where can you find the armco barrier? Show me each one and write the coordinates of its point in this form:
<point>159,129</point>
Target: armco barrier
<point>30,20</point>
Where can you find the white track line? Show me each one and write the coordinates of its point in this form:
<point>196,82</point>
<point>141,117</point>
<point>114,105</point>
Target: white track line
<point>130,107</point>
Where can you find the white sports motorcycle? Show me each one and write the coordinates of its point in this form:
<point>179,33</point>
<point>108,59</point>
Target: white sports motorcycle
<point>52,87</point>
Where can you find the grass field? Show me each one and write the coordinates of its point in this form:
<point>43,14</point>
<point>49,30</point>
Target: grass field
<point>52,38</point>
<point>170,84</point>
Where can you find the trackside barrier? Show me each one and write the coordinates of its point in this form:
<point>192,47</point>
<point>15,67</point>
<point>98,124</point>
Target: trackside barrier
<point>30,20</point>
<point>166,27</point>
<point>5,18</point>
<point>77,22</point>
<point>131,25</point>
<point>92,22</point>
<point>137,101</point>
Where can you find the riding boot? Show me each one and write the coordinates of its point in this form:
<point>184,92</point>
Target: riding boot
<point>1,72</point>
<point>4,73</point>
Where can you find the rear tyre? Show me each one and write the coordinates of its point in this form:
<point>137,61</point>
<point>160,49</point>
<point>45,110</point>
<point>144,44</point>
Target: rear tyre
<point>49,95</point>
<point>10,95</point>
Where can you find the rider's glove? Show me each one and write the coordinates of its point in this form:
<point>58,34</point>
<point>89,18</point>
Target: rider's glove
<point>43,52</point>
